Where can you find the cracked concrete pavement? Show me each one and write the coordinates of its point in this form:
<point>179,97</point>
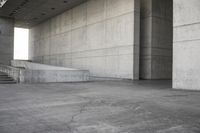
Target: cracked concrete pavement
<point>99,107</point>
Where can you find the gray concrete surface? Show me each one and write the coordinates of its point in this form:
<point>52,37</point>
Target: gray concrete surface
<point>99,107</point>
<point>101,36</point>
<point>6,79</point>
<point>30,72</point>
<point>36,66</point>
<point>156,37</point>
<point>186,44</point>
<point>6,40</point>
<point>54,76</point>
<point>28,13</point>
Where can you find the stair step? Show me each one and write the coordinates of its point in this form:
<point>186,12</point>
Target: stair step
<point>2,73</point>
<point>8,82</point>
<point>6,79</point>
<point>3,76</point>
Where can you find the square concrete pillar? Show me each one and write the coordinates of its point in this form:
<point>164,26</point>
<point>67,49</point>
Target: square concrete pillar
<point>186,46</point>
<point>156,39</point>
<point>6,40</point>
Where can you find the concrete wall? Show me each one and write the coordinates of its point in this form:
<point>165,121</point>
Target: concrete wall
<point>156,39</point>
<point>99,35</point>
<point>6,40</point>
<point>186,54</point>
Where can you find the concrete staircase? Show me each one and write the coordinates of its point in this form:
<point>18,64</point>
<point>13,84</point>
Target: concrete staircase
<point>5,79</point>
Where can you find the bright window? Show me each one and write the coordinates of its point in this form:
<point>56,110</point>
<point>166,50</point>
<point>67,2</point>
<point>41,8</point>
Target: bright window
<point>21,38</point>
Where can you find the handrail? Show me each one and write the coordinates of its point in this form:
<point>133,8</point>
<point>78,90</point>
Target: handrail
<point>11,71</point>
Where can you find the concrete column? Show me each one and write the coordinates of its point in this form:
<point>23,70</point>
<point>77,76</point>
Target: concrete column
<point>6,40</point>
<point>156,39</point>
<point>186,53</point>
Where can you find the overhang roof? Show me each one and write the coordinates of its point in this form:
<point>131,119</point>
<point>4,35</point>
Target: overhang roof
<point>28,13</point>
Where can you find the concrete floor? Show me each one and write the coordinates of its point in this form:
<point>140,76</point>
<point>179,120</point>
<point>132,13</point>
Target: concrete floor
<point>99,107</point>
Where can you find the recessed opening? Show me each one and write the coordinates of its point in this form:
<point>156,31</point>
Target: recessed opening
<point>156,40</point>
<point>21,38</point>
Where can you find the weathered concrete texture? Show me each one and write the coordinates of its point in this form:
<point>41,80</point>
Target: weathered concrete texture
<point>6,79</point>
<point>54,76</point>
<point>99,107</point>
<point>31,12</point>
<point>186,68</point>
<point>36,66</point>
<point>39,73</point>
<point>156,39</point>
<point>6,40</point>
<point>101,36</point>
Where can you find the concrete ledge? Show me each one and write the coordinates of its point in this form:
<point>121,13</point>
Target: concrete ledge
<point>39,73</point>
<point>95,78</point>
<point>36,66</point>
<point>47,76</point>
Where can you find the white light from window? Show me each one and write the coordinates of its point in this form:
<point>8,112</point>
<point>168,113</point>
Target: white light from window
<point>21,38</point>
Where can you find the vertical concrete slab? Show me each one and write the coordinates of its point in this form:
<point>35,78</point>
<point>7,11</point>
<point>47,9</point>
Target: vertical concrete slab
<point>6,40</point>
<point>156,39</point>
<point>101,36</point>
<point>186,66</point>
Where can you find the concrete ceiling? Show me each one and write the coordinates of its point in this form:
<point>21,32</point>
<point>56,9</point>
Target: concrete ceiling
<point>28,13</point>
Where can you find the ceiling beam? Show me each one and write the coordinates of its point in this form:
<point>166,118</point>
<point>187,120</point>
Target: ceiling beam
<point>2,2</point>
